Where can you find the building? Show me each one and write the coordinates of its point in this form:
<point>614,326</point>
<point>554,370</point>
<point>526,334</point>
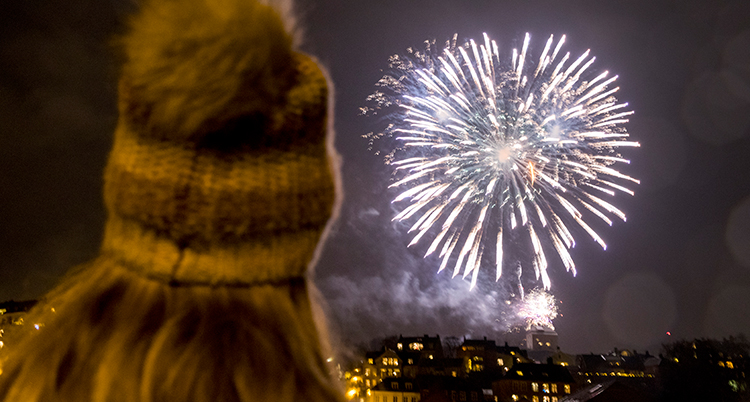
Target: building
<point>706,370</point>
<point>394,390</point>
<point>12,315</point>
<point>541,339</point>
<point>452,389</point>
<point>380,365</point>
<point>535,383</point>
<point>563,359</point>
<point>612,391</point>
<point>429,347</point>
<point>446,367</point>
<point>507,356</point>
<point>541,343</point>
<point>478,355</point>
<point>617,364</point>
<point>410,362</point>
<point>12,312</point>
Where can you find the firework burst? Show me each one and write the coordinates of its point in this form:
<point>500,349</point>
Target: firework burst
<point>492,151</point>
<point>538,309</point>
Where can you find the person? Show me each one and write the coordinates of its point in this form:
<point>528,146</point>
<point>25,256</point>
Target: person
<point>220,183</point>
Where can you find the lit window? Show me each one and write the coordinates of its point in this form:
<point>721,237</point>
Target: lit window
<point>367,383</point>
<point>453,373</point>
<point>730,365</point>
<point>430,357</point>
<point>566,388</point>
<point>385,361</point>
<point>400,346</point>
<point>548,345</point>
<point>370,361</point>
<point>721,364</point>
<point>563,364</point>
<point>554,399</point>
<point>520,373</point>
<point>514,397</point>
<point>410,361</point>
<point>545,399</point>
<point>416,346</point>
<point>553,388</point>
<point>367,372</point>
<point>545,388</point>
<point>534,387</point>
<point>534,398</point>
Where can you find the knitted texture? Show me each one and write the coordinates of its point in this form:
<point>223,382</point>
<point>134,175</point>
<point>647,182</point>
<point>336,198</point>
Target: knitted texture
<point>218,173</point>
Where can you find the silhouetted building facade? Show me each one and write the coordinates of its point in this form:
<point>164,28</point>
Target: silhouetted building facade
<point>535,383</point>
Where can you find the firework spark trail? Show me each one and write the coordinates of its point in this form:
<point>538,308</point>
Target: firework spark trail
<point>538,309</point>
<point>491,151</point>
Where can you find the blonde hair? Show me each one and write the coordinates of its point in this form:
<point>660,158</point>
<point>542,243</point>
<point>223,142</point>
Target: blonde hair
<point>112,335</point>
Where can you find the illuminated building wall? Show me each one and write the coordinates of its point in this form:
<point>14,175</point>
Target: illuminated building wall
<point>394,390</point>
<point>535,383</point>
<point>478,354</point>
<point>541,339</point>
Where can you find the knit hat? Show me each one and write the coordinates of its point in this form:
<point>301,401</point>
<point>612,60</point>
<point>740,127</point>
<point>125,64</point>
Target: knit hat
<point>219,172</point>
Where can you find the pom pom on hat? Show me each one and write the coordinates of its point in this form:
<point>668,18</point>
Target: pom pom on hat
<point>219,172</point>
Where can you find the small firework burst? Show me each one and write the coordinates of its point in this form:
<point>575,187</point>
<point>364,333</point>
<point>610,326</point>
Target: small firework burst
<point>538,309</point>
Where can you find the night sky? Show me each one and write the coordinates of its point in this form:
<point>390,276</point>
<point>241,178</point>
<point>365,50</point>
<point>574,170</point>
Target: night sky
<point>681,262</point>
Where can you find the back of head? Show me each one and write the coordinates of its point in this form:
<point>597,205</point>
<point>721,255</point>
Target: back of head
<point>218,189</point>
